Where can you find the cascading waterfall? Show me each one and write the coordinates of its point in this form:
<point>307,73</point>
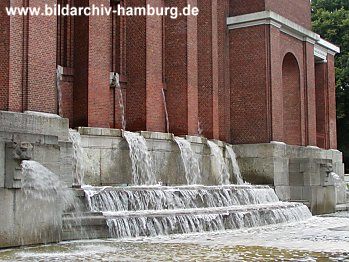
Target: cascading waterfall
<point>235,165</point>
<point>149,209</point>
<point>190,162</point>
<point>142,172</point>
<point>79,162</point>
<point>221,169</point>
<point>159,210</point>
<point>41,185</point>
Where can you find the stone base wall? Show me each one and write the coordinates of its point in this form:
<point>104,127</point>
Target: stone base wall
<point>109,162</point>
<point>298,173</point>
<point>42,138</point>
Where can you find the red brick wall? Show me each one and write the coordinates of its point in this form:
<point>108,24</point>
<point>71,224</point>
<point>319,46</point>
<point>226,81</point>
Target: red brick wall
<point>99,68</point>
<point>291,100</point>
<point>249,114</point>
<point>208,69</point>
<point>17,57</point>
<point>310,94</point>
<point>332,102</point>
<point>81,46</point>
<point>155,110</point>
<point>4,55</point>
<point>275,80</point>
<point>181,71</point>
<point>297,11</point>
<point>326,104</point>
<point>136,70</point>
<point>41,89</point>
<point>321,105</point>
<point>223,71</point>
<point>292,45</point>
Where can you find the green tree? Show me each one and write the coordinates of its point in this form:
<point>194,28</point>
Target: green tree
<point>331,21</point>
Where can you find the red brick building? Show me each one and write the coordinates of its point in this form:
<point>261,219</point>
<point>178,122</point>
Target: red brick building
<point>243,71</point>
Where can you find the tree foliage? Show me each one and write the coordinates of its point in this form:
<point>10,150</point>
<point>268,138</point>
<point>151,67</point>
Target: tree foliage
<point>331,21</point>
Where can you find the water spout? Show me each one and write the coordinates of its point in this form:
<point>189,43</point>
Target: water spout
<point>190,162</point>
<point>221,169</point>
<point>142,172</point>
<point>122,107</point>
<point>79,164</point>
<point>166,112</point>
<point>235,165</point>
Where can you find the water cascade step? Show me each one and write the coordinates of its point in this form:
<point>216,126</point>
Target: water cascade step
<point>190,162</point>
<point>149,209</point>
<point>162,210</point>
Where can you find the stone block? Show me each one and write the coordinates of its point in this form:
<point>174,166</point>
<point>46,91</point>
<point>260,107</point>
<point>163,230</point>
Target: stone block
<point>257,170</point>
<point>90,131</point>
<point>93,171</point>
<point>48,156</point>
<point>115,167</point>
<point>296,192</point>
<point>283,192</point>
<point>112,132</point>
<point>157,135</point>
<point>2,164</point>
<point>27,221</point>
<point>12,122</point>
<point>323,200</point>
<point>66,163</point>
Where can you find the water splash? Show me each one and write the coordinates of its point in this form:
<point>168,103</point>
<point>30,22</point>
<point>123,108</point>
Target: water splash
<point>190,162</point>
<point>221,169</point>
<point>79,163</point>
<point>142,172</point>
<point>42,184</point>
<point>235,165</point>
<point>42,188</point>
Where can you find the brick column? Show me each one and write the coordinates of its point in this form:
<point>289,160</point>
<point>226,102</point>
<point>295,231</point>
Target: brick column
<point>4,55</point>
<point>326,104</point>
<point>310,100</point>
<point>208,70</point>
<point>41,69</point>
<point>92,66</point>
<point>144,109</point>
<point>321,105</point>
<point>332,102</point>
<point>181,69</point>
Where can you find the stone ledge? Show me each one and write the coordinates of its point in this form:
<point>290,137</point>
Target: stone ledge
<point>27,123</point>
<point>94,131</point>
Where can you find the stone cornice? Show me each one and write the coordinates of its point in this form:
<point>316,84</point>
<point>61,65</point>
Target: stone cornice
<point>285,25</point>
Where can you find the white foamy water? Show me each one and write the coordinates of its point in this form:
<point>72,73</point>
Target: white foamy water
<point>79,162</point>
<point>142,172</point>
<point>42,184</point>
<point>159,210</point>
<point>220,168</point>
<point>190,162</point>
<point>235,165</point>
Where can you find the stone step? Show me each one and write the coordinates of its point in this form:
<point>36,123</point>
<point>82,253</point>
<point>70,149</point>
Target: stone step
<point>342,207</point>
<point>144,222</point>
<point>199,211</point>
